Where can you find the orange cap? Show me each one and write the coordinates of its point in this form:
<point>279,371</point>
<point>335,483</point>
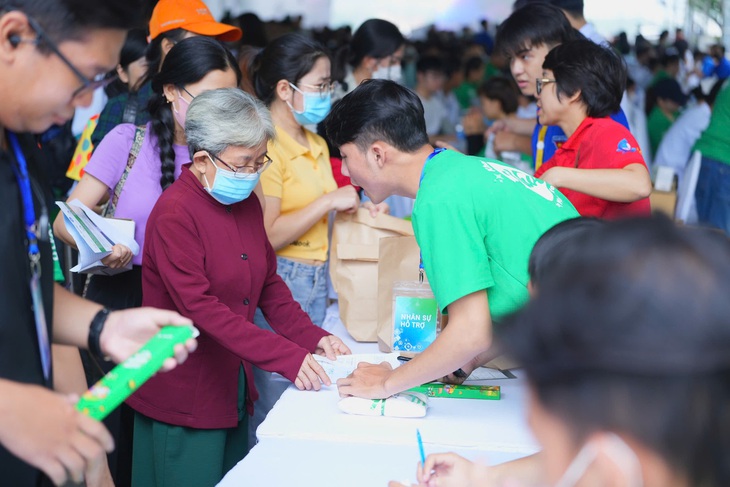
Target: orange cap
<point>191,15</point>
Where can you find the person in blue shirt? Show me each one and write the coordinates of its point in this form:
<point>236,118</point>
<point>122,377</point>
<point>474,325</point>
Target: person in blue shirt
<point>716,64</point>
<point>525,38</point>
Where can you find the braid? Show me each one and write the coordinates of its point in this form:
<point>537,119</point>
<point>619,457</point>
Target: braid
<point>163,126</point>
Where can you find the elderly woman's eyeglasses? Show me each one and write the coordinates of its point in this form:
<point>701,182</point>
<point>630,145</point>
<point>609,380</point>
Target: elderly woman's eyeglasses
<point>324,89</point>
<point>539,82</point>
<point>242,171</point>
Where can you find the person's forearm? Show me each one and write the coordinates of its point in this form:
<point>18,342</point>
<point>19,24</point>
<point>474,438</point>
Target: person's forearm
<point>625,185</point>
<point>288,227</point>
<point>521,126</point>
<point>526,471</point>
<point>72,316</point>
<point>68,371</point>
<point>59,231</point>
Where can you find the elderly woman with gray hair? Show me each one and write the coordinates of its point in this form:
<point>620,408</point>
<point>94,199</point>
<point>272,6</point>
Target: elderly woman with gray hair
<point>207,256</point>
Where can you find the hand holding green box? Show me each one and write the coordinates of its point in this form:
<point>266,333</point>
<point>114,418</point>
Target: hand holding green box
<point>121,382</point>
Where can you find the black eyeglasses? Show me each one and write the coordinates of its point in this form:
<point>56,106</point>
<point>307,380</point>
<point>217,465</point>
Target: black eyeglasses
<point>539,82</point>
<point>87,85</point>
<point>240,172</point>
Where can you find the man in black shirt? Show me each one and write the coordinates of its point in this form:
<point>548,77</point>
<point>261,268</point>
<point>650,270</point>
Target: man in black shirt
<point>51,54</point>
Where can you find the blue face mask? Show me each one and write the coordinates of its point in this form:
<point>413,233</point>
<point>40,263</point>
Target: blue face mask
<point>315,107</point>
<point>229,187</point>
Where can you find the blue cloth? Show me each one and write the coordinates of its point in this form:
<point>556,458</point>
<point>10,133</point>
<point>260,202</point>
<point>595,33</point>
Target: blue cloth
<point>555,137</point>
<point>721,70</point>
<point>713,194</point>
<point>308,285</point>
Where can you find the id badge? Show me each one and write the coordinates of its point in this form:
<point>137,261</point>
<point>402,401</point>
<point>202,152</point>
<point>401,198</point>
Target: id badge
<point>44,345</point>
<point>416,316</point>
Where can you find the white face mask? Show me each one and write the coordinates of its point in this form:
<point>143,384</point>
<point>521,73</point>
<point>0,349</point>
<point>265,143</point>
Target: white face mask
<point>392,73</point>
<point>616,449</point>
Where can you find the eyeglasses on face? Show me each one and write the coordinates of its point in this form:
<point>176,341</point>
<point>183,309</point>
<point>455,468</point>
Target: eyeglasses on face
<point>324,89</point>
<point>539,82</point>
<point>256,168</point>
<point>87,85</point>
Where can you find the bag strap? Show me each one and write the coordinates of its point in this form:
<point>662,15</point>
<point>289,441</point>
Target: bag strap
<point>139,134</point>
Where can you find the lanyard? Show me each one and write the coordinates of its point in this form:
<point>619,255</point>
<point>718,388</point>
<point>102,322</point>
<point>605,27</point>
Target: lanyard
<point>423,172</point>
<point>34,254</point>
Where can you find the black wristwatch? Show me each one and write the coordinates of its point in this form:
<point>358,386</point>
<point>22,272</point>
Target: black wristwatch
<point>97,325</point>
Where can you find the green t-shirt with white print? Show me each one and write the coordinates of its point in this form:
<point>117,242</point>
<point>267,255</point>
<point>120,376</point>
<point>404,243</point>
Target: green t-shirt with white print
<point>476,221</point>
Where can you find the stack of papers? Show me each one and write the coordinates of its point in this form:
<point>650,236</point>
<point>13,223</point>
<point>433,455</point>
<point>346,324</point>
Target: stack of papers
<point>95,236</point>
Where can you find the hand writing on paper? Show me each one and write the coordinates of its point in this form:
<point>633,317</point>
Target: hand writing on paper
<point>452,470</point>
<point>311,375</point>
<point>368,381</point>
<point>330,346</point>
<point>127,331</point>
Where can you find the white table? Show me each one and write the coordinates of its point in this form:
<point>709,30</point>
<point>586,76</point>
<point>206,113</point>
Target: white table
<point>307,441</point>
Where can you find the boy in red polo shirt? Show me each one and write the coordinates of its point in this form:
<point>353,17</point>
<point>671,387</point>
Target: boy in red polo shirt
<point>599,168</point>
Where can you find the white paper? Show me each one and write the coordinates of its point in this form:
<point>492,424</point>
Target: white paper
<point>95,236</point>
<point>485,373</point>
<point>346,364</point>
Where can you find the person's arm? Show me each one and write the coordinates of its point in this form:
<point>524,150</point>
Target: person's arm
<point>624,185</point>
<point>509,141</point>
<point>283,229</point>
<point>519,126</point>
<point>69,379</point>
<point>124,332</point>
<point>468,334</point>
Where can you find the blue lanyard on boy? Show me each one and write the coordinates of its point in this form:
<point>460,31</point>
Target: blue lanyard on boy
<point>423,171</point>
<point>34,254</point>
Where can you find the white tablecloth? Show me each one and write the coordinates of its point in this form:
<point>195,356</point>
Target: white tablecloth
<point>307,441</point>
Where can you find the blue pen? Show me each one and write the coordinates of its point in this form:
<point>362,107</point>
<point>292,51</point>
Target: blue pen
<point>420,447</point>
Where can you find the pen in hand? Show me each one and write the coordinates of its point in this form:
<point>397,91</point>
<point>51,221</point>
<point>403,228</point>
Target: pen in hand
<point>420,447</point>
<point>457,373</point>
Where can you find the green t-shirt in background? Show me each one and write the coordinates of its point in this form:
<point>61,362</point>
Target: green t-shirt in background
<point>476,221</point>
<point>714,142</point>
<point>657,125</point>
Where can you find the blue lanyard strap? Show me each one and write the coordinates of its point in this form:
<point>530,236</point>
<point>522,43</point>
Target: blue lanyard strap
<point>423,172</point>
<point>26,195</point>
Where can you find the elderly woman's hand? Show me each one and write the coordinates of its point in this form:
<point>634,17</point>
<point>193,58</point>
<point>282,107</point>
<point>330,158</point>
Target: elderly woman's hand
<point>330,346</point>
<point>311,375</point>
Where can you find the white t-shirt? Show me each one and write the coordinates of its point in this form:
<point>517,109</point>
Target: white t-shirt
<point>676,146</point>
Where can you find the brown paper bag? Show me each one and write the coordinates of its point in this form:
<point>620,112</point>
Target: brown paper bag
<point>399,259</point>
<point>354,267</point>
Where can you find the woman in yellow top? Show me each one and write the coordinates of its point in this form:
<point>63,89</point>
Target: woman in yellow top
<point>292,77</point>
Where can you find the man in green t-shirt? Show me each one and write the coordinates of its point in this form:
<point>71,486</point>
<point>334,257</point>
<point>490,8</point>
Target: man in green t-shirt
<point>475,220</point>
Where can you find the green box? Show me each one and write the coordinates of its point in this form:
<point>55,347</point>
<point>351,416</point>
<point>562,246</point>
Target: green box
<point>459,391</point>
<point>121,382</point>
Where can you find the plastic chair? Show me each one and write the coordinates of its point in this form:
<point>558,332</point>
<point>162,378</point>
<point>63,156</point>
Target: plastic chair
<point>686,210</point>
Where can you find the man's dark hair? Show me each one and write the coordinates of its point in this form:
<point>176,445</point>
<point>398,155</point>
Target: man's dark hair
<point>632,335</point>
<point>502,89</point>
<point>573,7</point>
<point>556,247</point>
<point>64,20</point>
<point>431,63</point>
<point>535,24</point>
<point>598,72</point>
<point>378,110</point>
